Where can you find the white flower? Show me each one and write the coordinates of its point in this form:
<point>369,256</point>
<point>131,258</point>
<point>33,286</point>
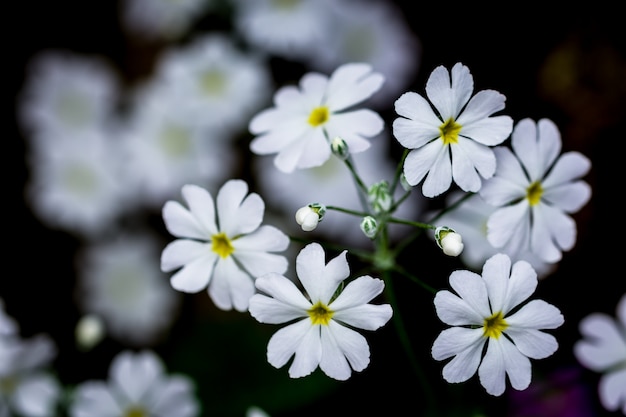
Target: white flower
<point>167,146</point>
<point>65,94</point>
<point>454,142</point>
<point>322,334</point>
<point>290,29</point>
<point>221,245</point>
<point>603,349</point>
<point>137,386</point>
<point>535,189</point>
<point>26,386</point>
<point>162,19</point>
<point>222,85</point>
<point>119,281</point>
<point>304,120</point>
<point>484,312</point>
<point>469,218</point>
<point>76,185</point>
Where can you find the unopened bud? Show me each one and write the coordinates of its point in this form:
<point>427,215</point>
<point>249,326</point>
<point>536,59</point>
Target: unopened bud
<point>449,241</point>
<point>309,216</point>
<point>404,183</point>
<point>369,226</point>
<point>380,197</point>
<point>339,147</point>
<point>89,331</point>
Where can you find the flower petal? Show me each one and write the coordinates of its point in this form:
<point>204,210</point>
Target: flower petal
<point>284,343</point>
<point>342,348</point>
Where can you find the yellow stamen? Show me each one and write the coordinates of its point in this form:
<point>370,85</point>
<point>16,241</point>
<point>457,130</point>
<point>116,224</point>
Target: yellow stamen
<point>319,116</point>
<point>450,131</point>
<point>495,325</point>
<point>136,411</point>
<point>175,141</point>
<point>320,313</point>
<point>213,82</point>
<point>221,245</point>
<point>534,193</point>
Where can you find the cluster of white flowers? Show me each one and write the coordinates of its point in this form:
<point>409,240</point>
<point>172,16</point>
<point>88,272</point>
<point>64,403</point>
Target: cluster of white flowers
<point>319,153</point>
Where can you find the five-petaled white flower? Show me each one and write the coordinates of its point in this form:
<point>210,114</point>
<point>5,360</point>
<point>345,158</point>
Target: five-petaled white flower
<point>485,310</point>
<point>221,245</point>
<point>322,334</point>
<point>604,350</point>
<point>452,138</point>
<point>535,189</point>
<point>304,121</point>
<point>138,385</point>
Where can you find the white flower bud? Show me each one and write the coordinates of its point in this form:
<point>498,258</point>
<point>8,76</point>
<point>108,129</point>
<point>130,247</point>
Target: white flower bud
<point>89,331</point>
<point>449,241</point>
<point>404,183</point>
<point>380,197</point>
<point>309,216</point>
<point>369,226</point>
<point>339,147</point>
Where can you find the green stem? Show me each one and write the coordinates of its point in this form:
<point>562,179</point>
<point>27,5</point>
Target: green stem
<point>406,344</point>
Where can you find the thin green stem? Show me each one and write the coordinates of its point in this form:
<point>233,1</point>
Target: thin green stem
<point>348,211</point>
<point>405,273</point>
<point>406,345</point>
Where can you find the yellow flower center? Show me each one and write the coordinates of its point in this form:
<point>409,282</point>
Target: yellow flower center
<point>285,4</point>
<point>136,411</point>
<point>213,82</point>
<point>221,245</point>
<point>80,178</point>
<point>534,193</point>
<point>74,110</point>
<point>495,325</point>
<point>320,313</point>
<point>319,116</point>
<point>450,131</point>
<point>175,141</point>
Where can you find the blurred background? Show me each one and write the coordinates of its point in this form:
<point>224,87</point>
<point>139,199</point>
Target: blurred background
<point>565,65</point>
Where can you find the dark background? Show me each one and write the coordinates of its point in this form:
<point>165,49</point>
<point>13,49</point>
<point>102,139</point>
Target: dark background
<point>566,65</point>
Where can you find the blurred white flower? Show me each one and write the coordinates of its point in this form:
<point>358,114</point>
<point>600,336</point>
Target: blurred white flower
<point>76,186</point>
<point>254,411</point>
<point>65,94</point>
<point>162,19</point>
<point>8,325</point>
<point>222,85</point>
<point>289,29</point>
<point>603,350</point>
<point>27,385</point>
<point>138,385</point>
<point>372,31</point>
<point>166,147</point>
<point>119,280</point>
